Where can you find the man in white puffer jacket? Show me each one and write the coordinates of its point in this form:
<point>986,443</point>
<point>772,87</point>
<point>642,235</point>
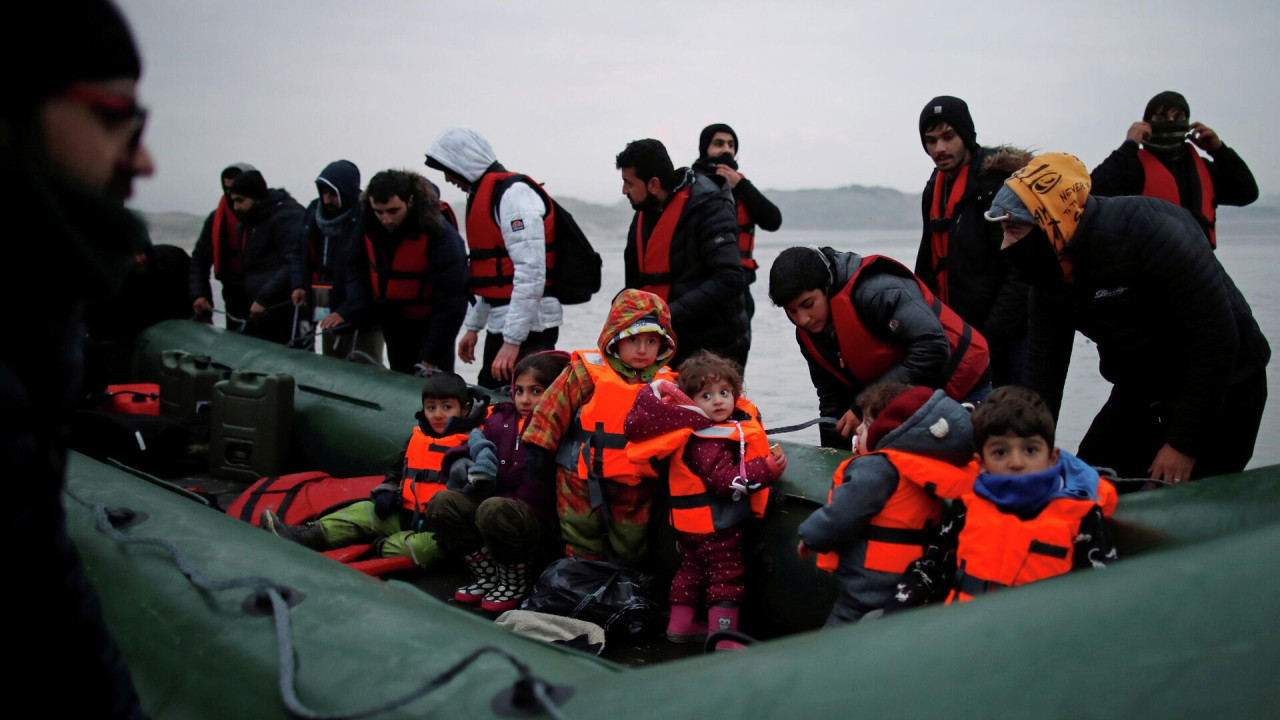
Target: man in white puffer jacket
<point>509,220</point>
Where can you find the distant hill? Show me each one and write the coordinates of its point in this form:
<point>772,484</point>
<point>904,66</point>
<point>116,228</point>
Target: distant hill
<point>853,207</point>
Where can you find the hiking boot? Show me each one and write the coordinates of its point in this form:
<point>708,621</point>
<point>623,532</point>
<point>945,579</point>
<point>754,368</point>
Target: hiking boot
<point>724,616</point>
<point>512,587</point>
<point>683,628</point>
<point>309,535</point>
<point>485,574</point>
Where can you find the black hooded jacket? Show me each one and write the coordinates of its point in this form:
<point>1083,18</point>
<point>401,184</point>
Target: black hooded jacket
<point>708,286</point>
<point>324,248</point>
<point>1168,321</point>
<point>983,288</point>
<point>893,309</point>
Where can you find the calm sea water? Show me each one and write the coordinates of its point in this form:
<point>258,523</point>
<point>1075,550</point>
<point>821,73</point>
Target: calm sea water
<point>778,378</point>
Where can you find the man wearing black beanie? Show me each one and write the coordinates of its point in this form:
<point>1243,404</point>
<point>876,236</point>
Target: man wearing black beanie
<point>255,265</point>
<point>959,257</point>
<point>717,159</point>
<point>70,147</point>
<point>1159,158</point>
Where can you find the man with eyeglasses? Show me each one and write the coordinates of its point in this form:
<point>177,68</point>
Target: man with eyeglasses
<point>1160,157</point>
<point>70,147</point>
<point>959,256</point>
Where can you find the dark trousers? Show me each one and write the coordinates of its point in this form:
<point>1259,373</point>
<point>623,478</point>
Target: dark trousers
<point>535,342</point>
<point>406,340</point>
<point>1130,429</point>
<point>463,524</point>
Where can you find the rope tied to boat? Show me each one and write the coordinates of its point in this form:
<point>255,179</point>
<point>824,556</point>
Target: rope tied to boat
<point>528,695</point>
<point>803,425</point>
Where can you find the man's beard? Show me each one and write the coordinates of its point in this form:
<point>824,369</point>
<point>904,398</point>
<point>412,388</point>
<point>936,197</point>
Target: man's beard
<point>648,204</point>
<point>724,159</point>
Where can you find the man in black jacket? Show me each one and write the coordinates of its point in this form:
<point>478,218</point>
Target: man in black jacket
<point>409,272</point>
<point>959,257</point>
<point>70,147</point>
<point>717,159</point>
<point>863,320</point>
<point>215,250</point>
<point>1175,338</point>
<point>270,221</point>
<point>683,247</point>
<point>332,228</point>
<point>1159,158</point>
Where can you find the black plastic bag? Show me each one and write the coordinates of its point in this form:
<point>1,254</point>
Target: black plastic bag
<point>616,598</point>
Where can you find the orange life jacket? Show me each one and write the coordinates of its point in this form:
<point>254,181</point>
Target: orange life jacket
<point>999,550</point>
<point>597,444</point>
<point>225,224</point>
<point>694,508</point>
<point>653,254</point>
<point>746,237</point>
<point>898,533</point>
<point>420,477</point>
<point>1158,182</point>
<point>940,240</point>
<point>865,357</point>
<point>492,272</point>
<point>404,282</point>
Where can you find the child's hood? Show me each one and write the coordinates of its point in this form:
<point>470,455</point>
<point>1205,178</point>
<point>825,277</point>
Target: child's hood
<point>939,429</point>
<point>661,408</point>
<point>629,307</point>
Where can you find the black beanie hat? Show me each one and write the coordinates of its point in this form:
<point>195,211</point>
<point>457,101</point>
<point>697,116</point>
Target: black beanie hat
<point>708,132</point>
<point>1165,100</point>
<point>250,184</point>
<point>954,112</point>
<point>78,40</point>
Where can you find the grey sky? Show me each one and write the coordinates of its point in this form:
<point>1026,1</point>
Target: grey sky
<point>822,94</point>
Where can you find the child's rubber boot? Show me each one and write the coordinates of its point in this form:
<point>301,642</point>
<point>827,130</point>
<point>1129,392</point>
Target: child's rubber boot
<point>683,628</point>
<point>485,574</point>
<point>309,535</point>
<point>724,616</point>
<point>512,587</point>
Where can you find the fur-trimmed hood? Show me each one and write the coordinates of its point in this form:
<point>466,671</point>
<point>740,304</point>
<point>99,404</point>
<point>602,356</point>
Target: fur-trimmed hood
<point>426,203</point>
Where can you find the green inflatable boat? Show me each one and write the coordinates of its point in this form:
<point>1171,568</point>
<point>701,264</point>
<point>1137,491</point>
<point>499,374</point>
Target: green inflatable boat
<point>220,619</point>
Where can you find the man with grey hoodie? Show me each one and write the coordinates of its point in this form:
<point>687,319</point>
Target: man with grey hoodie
<point>509,223</point>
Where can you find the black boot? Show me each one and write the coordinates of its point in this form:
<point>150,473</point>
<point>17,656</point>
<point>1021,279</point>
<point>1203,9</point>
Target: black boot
<point>309,535</point>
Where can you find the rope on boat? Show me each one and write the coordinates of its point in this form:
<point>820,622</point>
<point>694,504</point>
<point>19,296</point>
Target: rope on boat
<point>527,682</point>
<point>801,426</point>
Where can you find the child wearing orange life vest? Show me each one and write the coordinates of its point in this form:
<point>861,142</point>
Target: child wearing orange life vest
<point>719,460</point>
<point>602,501</point>
<point>1035,511</point>
<point>885,503</point>
<point>392,516</point>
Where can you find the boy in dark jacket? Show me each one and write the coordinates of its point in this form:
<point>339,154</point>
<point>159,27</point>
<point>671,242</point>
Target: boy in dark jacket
<point>863,320</point>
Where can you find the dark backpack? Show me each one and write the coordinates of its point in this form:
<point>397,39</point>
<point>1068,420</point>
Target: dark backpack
<point>576,276</point>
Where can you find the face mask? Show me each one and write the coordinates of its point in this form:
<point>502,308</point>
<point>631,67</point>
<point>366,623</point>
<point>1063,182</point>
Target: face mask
<point>1168,136</point>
